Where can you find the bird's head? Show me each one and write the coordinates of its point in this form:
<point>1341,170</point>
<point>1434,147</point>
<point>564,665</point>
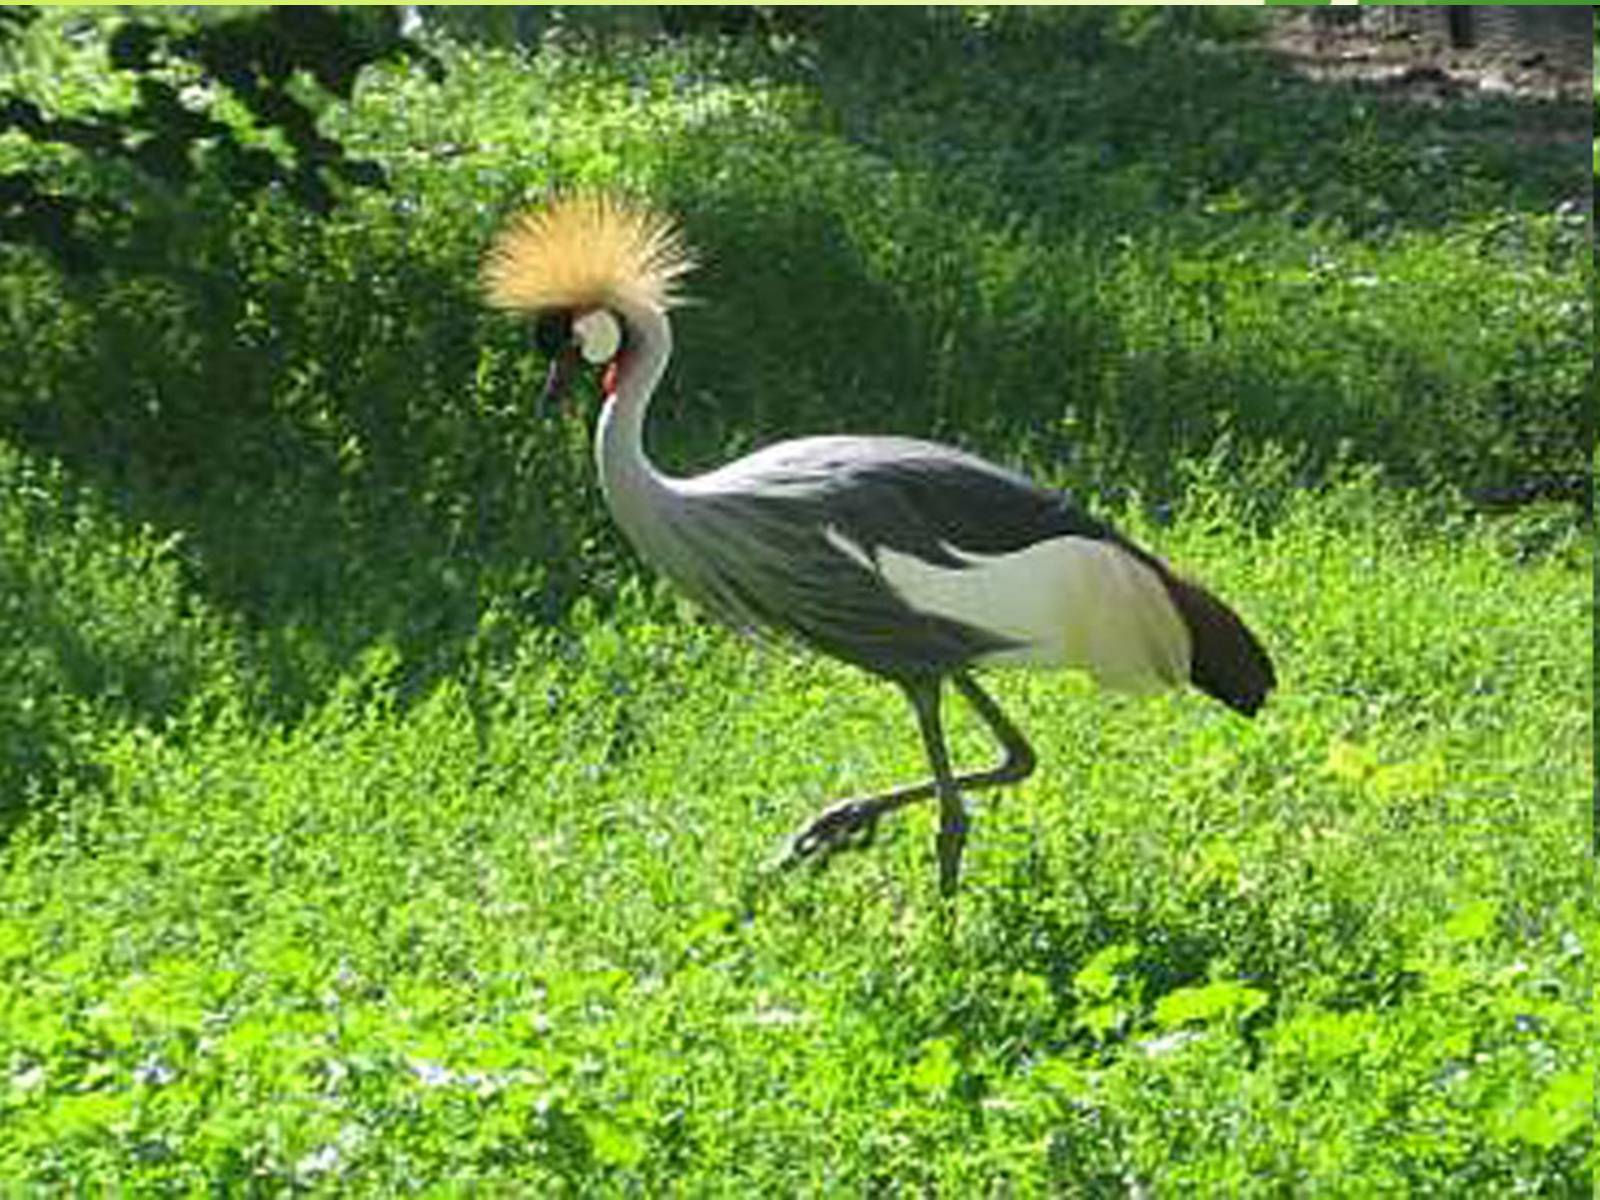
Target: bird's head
<point>586,266</point>
<point>593,337</point>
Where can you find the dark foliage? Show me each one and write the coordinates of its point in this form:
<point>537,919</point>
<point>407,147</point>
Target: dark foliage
<point>256,57</point>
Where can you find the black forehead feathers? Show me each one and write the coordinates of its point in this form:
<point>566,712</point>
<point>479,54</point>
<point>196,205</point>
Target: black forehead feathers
<point>552,331</point>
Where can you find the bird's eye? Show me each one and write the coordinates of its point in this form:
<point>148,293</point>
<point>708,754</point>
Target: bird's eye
<point>552,332</point>
<point>598,335</point>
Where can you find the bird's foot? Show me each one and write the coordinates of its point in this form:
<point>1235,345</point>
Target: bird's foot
<point>850,825</point>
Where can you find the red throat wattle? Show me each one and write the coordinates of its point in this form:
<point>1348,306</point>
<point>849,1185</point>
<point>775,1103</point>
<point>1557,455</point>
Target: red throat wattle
<point>608,378</point>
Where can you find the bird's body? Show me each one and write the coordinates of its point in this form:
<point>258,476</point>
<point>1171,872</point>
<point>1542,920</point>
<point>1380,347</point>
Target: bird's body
<point>910,559</point>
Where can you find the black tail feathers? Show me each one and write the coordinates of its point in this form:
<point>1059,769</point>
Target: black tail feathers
<point>1226,660</point>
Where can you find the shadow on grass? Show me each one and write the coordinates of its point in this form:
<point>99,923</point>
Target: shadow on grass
<point>352,452</point>
<point>1043,111</point>
<point>1109,146</point>
<point>330,466</point>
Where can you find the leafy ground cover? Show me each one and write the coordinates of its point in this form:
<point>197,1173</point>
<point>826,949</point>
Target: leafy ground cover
<point>375,824</point>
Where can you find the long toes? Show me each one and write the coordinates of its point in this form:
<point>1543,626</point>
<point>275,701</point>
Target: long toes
<point>844,828</point>
<point>862,834</point>
<point>811,840</point>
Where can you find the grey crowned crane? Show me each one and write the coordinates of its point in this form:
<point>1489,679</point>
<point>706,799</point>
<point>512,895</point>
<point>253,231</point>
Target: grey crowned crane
<point>912,560</point>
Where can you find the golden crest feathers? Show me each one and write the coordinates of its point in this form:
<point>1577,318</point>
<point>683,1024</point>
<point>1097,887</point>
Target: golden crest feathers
<point>586,249</point>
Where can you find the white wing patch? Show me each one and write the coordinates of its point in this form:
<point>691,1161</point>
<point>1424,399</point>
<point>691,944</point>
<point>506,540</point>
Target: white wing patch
<point>849,549</point>
<point>1067,602</point>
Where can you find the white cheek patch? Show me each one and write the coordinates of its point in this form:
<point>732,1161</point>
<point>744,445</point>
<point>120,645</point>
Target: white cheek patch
<point>1066,602</point>
<point>598,335</point>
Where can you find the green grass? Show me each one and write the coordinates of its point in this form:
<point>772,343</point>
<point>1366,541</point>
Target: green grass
<point>376,824</point>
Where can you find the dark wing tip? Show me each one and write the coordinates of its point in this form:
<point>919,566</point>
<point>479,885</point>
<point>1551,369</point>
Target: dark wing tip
<point>1227,661</point>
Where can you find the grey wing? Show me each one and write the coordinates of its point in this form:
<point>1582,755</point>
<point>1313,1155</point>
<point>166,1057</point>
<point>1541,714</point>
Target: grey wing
<point>768,542</point>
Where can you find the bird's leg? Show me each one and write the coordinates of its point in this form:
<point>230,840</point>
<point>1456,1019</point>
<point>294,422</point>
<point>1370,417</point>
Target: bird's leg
<point>850,824</point>
<point>952,810</point>
<point>1019,759</point>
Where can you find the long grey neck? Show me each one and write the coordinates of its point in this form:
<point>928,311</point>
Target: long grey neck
<point>632,487</point>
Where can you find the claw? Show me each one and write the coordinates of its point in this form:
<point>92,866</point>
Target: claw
<point>846,827</point>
